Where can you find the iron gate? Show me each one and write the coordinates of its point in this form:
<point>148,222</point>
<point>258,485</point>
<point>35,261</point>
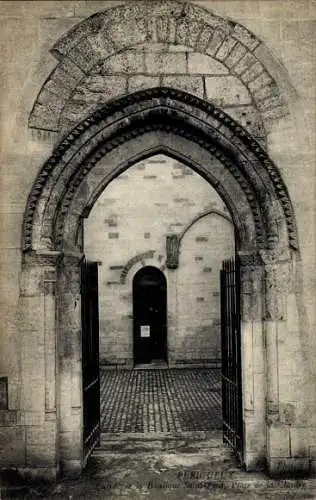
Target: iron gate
<point>231,356</point>
<point>90,357</point>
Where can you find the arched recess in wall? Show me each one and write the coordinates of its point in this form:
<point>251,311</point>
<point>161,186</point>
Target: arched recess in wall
<point>219,213</point>
<point>149,257</point>
<point>203,246</point>
<point>173,242</point>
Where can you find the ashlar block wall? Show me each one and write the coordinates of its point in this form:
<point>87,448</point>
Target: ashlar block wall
<point>127,228</point>
<point>54,75</point>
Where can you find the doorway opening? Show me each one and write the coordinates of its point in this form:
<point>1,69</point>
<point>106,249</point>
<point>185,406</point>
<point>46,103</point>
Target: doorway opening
<point>54,246</point>
<point>160,339</point>
<point>150,316</point>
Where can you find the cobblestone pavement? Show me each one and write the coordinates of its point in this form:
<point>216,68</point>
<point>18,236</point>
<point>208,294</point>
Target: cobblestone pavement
<point>171,400</point>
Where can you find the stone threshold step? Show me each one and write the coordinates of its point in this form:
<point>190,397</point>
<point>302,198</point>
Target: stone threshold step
<point>157,448</point>
<point>161,442</point>
<point>189,441</point>
<point>199,435</point>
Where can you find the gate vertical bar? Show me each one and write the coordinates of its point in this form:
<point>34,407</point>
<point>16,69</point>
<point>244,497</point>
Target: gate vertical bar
<point>223,349</point>
<point>233,354</point>
<point>238,360</point>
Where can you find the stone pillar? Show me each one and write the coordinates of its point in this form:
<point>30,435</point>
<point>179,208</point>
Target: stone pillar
<point>279,336</point>
<point>70,364</point>
<point>38,368</point>
<point>253,362</point>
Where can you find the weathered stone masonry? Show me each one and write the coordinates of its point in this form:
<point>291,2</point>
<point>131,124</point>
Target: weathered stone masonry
<point>173,45</point>
<point>128,83</point>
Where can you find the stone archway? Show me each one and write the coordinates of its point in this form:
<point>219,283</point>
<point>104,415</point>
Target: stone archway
<point>159,113</point>
<point>95,152</point>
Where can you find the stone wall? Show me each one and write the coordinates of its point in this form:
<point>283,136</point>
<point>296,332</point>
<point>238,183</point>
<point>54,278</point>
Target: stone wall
<point>203,248</point>
<point>172,45</point>
<point>207,52</point>
<point>128,226</point>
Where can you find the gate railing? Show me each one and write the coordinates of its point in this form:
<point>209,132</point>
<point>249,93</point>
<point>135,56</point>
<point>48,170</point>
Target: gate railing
<point>90,358</point>
<point>231,356</point>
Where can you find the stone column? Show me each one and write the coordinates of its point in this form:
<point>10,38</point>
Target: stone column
<point>70,363</point>
<point>38,367</point>
<point>253,362</point>
<point>277,292</point>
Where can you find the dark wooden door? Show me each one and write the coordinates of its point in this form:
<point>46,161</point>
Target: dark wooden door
<point>150,315</point>
<point>90,357</point>
<point>231,357</point>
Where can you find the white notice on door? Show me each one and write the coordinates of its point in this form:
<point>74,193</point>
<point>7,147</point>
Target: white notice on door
<point>145,331</point>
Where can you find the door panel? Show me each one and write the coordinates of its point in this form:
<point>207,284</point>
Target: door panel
<point>150,324</point>
<point>90,357</point>
<point>231,357</point>
<point>142,327</point>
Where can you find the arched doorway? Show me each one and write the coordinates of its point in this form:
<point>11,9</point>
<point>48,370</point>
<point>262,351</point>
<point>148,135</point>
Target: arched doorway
<point>150,315</point>
<point>214,145</point>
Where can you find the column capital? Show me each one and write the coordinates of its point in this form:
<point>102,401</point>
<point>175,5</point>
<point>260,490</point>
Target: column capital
<point>279,283</point>
<point>271,257</point>
<point>251,286</point>
<point>41,258</point>
<point>38,268</point>
<point>250,259</point>
<point>69,273</point>
<point>72,259</point>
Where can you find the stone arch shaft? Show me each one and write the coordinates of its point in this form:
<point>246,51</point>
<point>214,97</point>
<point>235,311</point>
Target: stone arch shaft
<point>99,149</point>
<point>173,240</point>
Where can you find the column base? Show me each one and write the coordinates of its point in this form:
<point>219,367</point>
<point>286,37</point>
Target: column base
<point>25,475</point>
<point>289,467</point>
<point>71,468</point>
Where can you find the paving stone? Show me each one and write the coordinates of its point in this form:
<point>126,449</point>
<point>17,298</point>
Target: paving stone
<point>171,400</point>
